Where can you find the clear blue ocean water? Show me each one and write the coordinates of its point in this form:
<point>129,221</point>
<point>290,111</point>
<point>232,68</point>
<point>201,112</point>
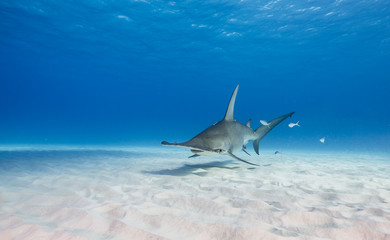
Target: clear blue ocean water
<point>136,72</point>
<point>90,88</point>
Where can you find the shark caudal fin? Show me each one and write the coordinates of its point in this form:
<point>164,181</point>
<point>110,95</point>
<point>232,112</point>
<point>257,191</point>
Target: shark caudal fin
<point>264,129</point>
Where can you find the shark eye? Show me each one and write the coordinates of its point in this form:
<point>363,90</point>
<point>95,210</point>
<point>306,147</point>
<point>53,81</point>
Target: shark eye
<point>219,150</point>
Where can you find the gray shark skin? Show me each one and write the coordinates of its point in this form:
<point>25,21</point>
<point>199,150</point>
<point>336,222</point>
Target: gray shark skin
<point>228,136</point>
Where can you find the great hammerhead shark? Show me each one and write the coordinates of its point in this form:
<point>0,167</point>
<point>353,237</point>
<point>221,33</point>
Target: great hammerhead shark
<point>228,136</point>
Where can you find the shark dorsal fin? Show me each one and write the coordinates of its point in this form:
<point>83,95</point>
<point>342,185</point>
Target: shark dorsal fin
<point>230,109</point>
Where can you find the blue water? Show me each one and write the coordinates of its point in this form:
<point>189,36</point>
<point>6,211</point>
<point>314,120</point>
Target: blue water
<point>138,72</point>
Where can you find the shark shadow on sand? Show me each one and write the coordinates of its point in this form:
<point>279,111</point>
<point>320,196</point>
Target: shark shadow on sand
<point>188,169</point>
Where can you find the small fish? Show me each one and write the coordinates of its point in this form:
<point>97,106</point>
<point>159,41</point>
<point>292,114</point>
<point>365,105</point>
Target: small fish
<point>291,125</point>
<point>277,152</point>
<point>322,140</point>
<point>265,123</point>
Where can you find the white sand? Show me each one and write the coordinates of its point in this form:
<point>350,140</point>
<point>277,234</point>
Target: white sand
<point>164,195</point>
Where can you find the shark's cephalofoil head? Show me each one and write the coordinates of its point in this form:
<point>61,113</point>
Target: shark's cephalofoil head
<point>212,141</point>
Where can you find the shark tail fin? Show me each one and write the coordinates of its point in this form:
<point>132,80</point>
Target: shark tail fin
<point>264,129</point>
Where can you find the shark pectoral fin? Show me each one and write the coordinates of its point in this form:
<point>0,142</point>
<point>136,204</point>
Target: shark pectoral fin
<point>243,149</point>
<point>242,160</point>
<point>195,155</point>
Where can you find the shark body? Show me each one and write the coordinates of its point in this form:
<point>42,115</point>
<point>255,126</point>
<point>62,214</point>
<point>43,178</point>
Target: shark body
<point>228,136</point>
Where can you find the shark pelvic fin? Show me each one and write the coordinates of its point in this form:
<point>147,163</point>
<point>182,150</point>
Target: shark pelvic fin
<point>230,109</point>
<point>242,160</point>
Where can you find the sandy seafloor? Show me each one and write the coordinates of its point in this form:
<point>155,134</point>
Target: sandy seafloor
<point>158,193</point>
